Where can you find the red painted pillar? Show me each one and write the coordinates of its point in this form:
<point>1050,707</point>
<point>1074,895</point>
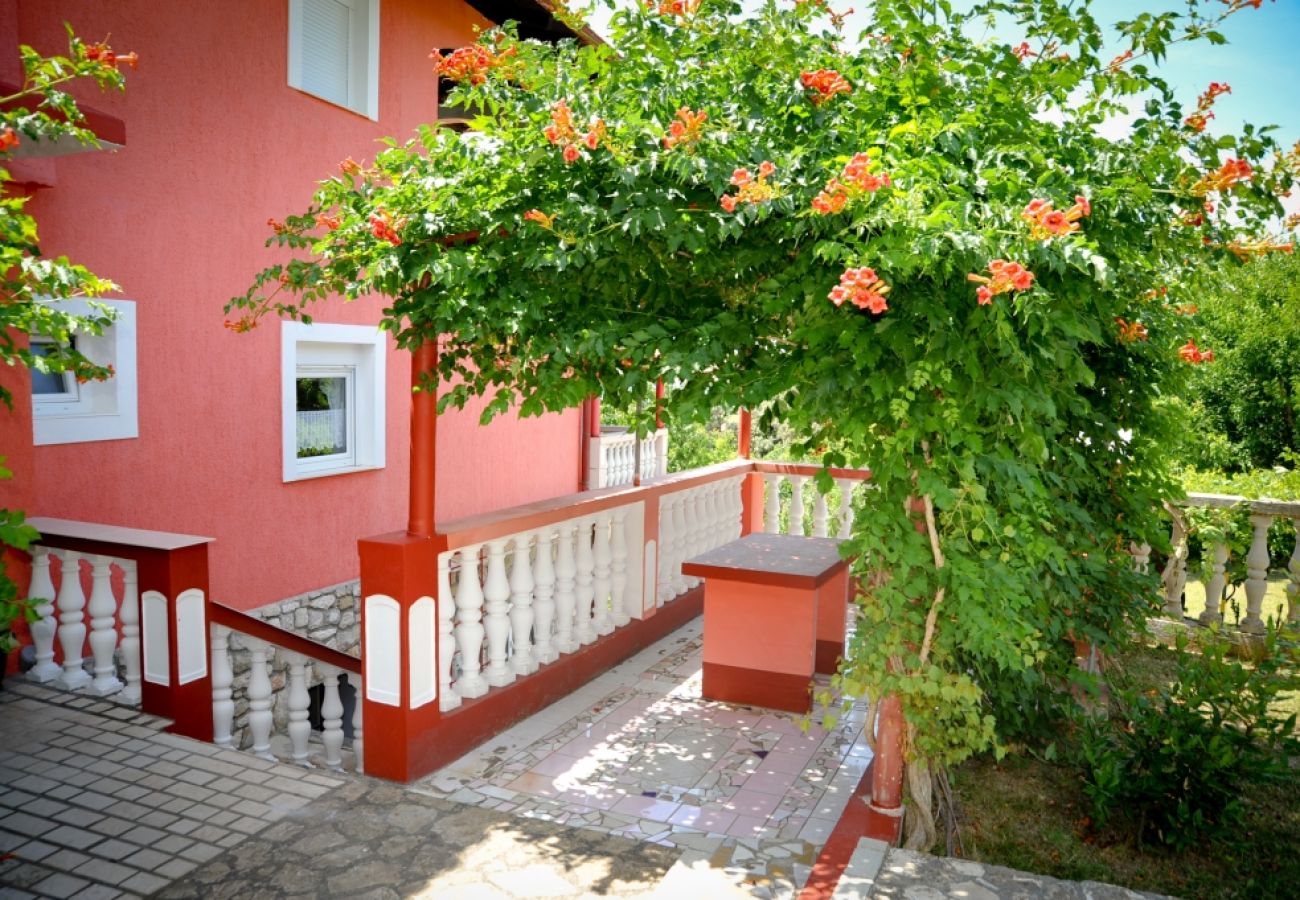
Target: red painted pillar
<point>176,680</point>
<point>887,768</point>
<point>746,434</point>
<point>659,403</point>
<point>399,598</point>
<point>399,573</point>
<point>751,490</point>
<point>595,417</point>
<point>424,440</point>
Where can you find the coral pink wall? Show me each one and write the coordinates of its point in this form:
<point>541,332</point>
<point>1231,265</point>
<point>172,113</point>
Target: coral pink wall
<point>217,143</point>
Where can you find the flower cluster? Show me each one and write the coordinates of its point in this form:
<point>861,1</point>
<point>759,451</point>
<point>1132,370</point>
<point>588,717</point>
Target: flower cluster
<point>1131,331</point>
<point>824,84</point>
<point>862,288</point>
<point>1023,51</point>
<point>686,129</point>
<point>103,54</point>
<point>381,226</point>
<point>1194,354</point>
<point>1228,174</point>
<point>672,7</point>
<point>1246,249</point>
<point>541,218</point>
<point>1046,222</point>
<point>748,188</point>
<point>1118,62</point>
<point>328,222</point>
<point>470,63</point>
<point>1199,119</point>
<point>561,131</point>
<point>1006,277</point>
<point>277,226</point>
<point>350,167</point>
<point>8,139</point>
<point>855,181</point>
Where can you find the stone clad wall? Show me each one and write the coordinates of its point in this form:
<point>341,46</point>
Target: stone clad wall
<point>329,616</point>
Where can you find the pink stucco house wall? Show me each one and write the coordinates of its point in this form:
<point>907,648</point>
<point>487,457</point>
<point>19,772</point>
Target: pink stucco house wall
<point>218,141</point>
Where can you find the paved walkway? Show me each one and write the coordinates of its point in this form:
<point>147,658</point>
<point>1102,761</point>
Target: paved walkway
<point>631,787</point>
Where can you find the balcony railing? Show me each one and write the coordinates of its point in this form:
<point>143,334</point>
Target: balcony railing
<point>613,457</point>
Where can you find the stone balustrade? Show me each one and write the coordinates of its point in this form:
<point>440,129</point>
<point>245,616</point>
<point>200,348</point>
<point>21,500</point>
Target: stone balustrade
<point>122,612</point>
<point>1263,513</point>
<point>288,667</point>
<point>613,457</point>
<point>805,509</point>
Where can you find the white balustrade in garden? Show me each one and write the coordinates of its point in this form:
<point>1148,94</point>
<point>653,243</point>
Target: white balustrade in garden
<point>1263,515</point>
<point>301,674</point>
<point>613,458</point>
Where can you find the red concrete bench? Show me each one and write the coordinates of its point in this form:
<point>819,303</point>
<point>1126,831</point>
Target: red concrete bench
<point>774,613</point>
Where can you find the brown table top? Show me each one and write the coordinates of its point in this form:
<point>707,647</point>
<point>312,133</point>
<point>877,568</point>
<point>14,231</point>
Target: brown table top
<point>777,559</point>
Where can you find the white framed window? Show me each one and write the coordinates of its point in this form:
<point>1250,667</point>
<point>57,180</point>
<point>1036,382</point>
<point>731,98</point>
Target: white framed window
<point>65,412</point>
<point>332,397</point>
<point>334,52</point>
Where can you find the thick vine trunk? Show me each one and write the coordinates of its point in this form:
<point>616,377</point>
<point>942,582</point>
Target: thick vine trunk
<point>919,829</point>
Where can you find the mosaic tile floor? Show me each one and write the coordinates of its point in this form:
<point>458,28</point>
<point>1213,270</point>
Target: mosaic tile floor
<point>639,753</point>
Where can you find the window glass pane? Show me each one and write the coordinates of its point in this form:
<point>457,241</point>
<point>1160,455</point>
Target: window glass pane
<point>322,416</point>
<point>46,383</point>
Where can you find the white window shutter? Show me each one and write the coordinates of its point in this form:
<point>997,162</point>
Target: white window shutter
<point>326,49</point>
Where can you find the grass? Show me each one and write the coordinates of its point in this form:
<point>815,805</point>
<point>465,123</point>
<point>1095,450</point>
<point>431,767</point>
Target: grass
<point>1274,606</point>
<point>1028,813</point>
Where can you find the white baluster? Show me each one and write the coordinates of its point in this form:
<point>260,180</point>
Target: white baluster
<point>521,606</point>
<point>299,702</point>
<point>1175,573</point>
<point>1293,587</point>
<point>772,505</point>
<point>737,508</point>
<point>130,646</point>
<point>45,626</point>
<point>103,627</point>
<point>846,487</point>
<point>358,739</point>
<point>566,601</point>
<point>331,711</point>
<point>696,527</point>
<point>602,559</point>
<point>544,597</point>
<point>223,676</point>
<point>496,622</point>
<point>1256,574</point>
<point>681,543</point>
<point>618,562</point>
<point>711,518</point>
<point>819,513</point>
<point>796,503</point>
<point>259,699</point>
<point>72,627</point>
<point>661,440</point>
<point>585,590</point>
<point>1213,612</point>
<point>448,698</point>
<point>469,628</point>
<point>664,581</point>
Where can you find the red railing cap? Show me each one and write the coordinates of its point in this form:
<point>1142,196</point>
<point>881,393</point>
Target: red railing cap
<point>113,534</point>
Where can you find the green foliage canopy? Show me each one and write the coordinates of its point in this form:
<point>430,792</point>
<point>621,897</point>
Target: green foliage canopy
<point>579,242</point>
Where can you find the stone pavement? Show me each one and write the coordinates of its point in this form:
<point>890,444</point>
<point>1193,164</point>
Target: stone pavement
<point>97,801</point>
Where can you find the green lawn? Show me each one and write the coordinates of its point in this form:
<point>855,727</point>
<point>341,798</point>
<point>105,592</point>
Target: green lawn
<point>1275,601</point>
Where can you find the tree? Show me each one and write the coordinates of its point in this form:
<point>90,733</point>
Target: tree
<point>918,248</point>
<point>42,112</point>
<point>1246,406</point>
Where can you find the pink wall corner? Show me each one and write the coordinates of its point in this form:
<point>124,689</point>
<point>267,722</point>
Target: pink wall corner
<point>217,143</point>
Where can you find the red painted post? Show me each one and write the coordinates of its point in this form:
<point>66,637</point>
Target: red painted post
<point>751,498</point>
<point>595,416</point>
<point>746,434</point>
<point>174,583</point>
<point>659,403</point>
<point>424,441</point>
<point>397,571</point>
<point>887,768</point>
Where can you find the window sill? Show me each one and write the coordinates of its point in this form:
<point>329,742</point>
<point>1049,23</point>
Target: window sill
<point>326,473</point>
